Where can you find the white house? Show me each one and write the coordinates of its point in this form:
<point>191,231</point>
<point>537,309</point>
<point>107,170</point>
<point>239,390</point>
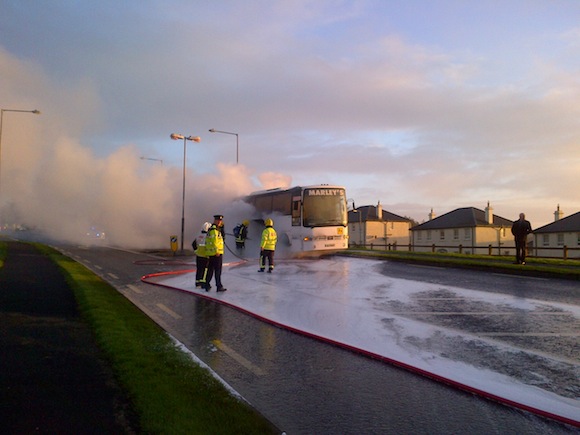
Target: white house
<point>466,230</point>
<point>371,225</point>
<point>556,239</point>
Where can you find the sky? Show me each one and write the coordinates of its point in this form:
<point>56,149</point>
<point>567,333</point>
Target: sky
<point>417,104</point>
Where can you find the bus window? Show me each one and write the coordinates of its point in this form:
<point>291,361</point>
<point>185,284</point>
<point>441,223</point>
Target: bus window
<point>281,203</point>
<point>324,207</point>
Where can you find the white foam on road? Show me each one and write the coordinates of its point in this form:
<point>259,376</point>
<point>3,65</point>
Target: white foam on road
<point>349,301</point>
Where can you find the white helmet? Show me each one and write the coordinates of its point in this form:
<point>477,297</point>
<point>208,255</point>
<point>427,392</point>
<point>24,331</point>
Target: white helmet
<point>205,227</point>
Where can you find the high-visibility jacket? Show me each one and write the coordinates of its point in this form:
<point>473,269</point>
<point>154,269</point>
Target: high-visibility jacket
<point>269,239</point>
<point>214,242</point>
<point>200,242</point>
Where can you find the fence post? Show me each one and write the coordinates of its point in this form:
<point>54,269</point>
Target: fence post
<point>489,250</point>
<point>461,249</point>
<point>565,252</point>
<point>433,248</point>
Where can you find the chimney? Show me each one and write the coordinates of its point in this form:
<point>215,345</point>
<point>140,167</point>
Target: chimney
<point>432,215</point>
<point>489,214</point>
<point>379,211</point>
<point>558,214</point>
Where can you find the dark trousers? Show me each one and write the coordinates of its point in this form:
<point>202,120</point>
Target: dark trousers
<point>201,268</point>
<point>215,268</point>
<point>266,254</point>
<point>520,250</point>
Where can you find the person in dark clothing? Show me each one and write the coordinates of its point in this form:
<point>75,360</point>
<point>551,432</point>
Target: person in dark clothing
<point>241,234</point>
<point>520,229</point>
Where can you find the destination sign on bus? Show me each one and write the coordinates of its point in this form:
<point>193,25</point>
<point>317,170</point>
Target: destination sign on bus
<point>324,192</point>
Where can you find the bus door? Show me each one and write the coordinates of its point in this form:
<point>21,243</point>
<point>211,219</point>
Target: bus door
<point>296,211</point>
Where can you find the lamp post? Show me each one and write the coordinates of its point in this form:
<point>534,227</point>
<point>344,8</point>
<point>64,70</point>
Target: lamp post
<point>213,130</point>
<point>36,112</point>
<point>175,136</point>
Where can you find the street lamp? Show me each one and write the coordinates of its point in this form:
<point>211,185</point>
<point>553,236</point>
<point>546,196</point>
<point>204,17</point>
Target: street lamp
<point>213,130</point>
<point>36,112</point>
<point>175,136</point>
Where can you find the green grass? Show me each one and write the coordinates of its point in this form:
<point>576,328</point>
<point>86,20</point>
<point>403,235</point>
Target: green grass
<point>548,267</point>
<point>169,391</point>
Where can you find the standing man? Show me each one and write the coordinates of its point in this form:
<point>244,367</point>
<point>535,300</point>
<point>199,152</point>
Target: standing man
<point>268,246</point>
<point>520,229</point>
<point>201,258</point>
<point>241,233</point>
<point>214,248</point>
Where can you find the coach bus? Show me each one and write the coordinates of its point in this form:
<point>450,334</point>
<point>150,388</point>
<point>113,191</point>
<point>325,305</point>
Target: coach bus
<point>308,219</point>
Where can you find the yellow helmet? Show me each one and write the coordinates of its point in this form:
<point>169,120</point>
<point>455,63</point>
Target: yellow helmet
<point>269,222</point>
<point>246,223</point>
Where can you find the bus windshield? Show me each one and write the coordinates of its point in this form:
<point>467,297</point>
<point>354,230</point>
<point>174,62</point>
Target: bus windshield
<point>323,207</point>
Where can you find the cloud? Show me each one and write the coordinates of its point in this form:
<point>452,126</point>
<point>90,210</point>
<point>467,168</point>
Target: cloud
<point>361,94</point>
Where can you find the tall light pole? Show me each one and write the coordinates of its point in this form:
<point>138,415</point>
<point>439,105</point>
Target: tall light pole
<point>36,112</point>
<point>175,136</point>
<point>213,130</point>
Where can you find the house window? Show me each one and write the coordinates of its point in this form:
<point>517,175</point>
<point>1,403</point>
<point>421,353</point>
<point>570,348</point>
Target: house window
<point>467,233</point>
<point>420,236</point>
<point>546,239</point>
<point>429,235</point>
<point>455,234</point>
<point>560,239</point>
<point>578,239</point>
<point>441,235</point>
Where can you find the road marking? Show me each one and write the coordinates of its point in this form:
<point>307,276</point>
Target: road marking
<point>424,267</point>
<point>520,276</point>
<point>169,311</point>
<point>134,288</point>
<point>239,358</point>
<point>98,267</point>
<point>112,275</point>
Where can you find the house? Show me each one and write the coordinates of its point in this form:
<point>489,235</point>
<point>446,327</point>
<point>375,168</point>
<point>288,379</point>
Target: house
<point>466,230</point>
<point>371,225</point>
<point>556,239</point>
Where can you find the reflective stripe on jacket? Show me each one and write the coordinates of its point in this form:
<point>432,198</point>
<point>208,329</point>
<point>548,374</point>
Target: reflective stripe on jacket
<point>269,239</point>
<point>214,242</point>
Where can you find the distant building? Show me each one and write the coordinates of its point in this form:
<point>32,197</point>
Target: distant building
<point>371,225</point>
<point>551,239</point>
<point>467,230</point>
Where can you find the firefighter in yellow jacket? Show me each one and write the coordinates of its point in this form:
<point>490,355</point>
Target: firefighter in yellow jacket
<point>214,249</point>
<point>201,258</point>
<point>268,246</point>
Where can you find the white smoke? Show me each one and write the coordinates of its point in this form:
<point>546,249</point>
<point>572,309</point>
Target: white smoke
<point>52,181</point>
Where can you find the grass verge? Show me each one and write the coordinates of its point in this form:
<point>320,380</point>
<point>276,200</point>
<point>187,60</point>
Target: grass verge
<point>169,391</point>
<point>545,267</point>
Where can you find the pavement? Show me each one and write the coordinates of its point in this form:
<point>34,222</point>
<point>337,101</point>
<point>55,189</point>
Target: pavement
<point>53,376</point>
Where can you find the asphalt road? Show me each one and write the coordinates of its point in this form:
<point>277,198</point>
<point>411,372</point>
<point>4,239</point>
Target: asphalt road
<point>308,387</point>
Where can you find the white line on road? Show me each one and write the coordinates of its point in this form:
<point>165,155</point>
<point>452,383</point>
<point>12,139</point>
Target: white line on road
<point>134,288</point>
<point>169,311</point>
<point>112,275</point>
<point>239,358</point>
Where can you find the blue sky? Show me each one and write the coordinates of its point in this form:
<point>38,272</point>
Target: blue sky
<point>417,104</point>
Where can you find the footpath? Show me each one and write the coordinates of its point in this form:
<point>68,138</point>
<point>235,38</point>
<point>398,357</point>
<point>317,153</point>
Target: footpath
<point>53,378</point>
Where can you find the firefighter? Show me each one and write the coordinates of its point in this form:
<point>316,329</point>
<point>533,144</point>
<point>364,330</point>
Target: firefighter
<point>241,234</point>
<point>268,246</point>
<point>214,248</point>
<point>201,258</point>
